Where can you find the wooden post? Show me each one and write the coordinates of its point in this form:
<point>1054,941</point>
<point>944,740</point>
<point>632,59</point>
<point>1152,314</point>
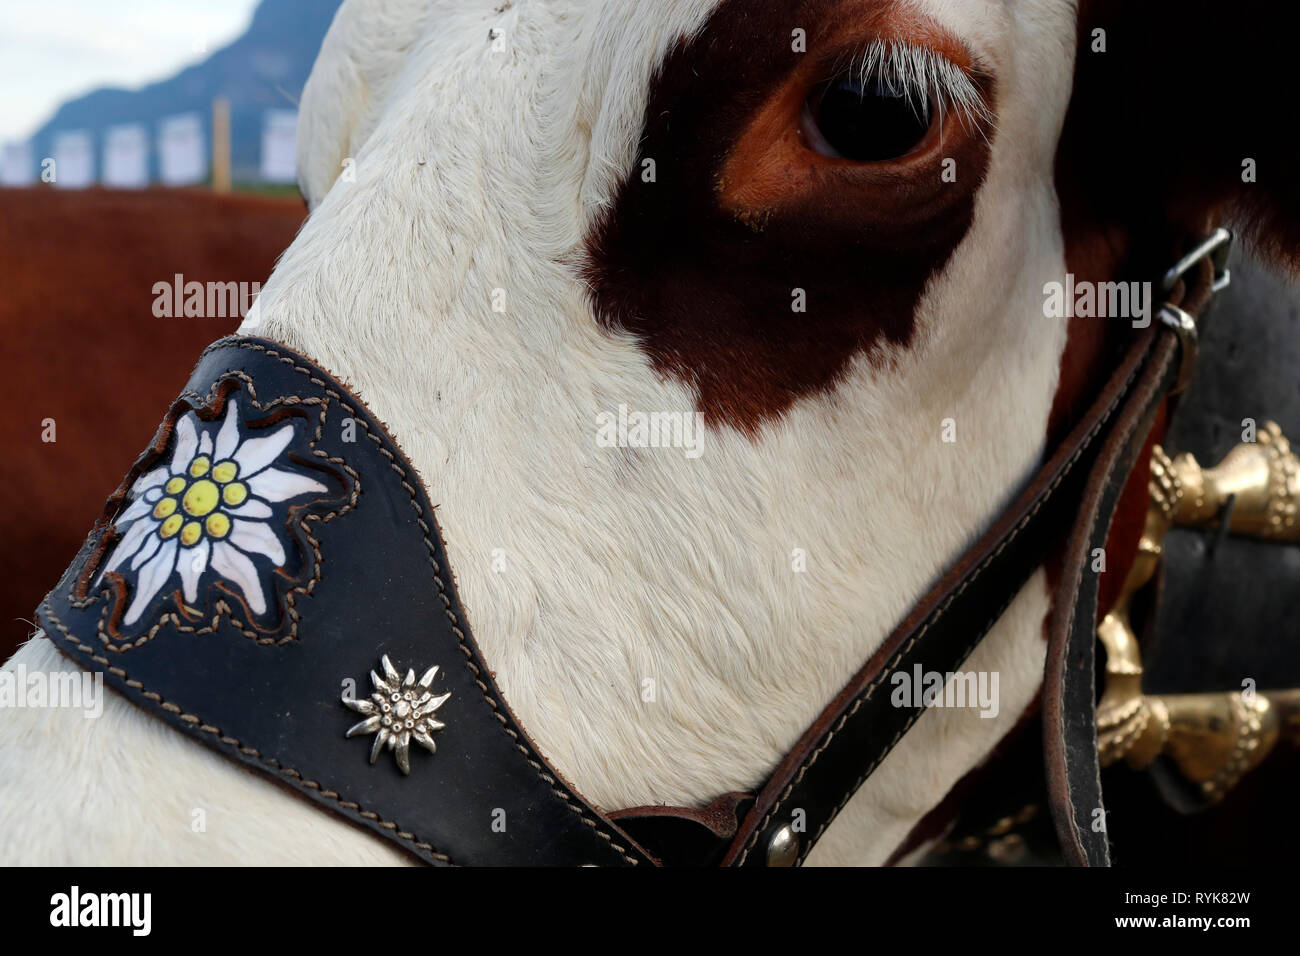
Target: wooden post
<point>221,145</point>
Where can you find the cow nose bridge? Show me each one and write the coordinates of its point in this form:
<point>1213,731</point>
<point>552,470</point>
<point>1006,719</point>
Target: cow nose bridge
<point>507,101</point>
<point>464,193</point>
<point>426,237</point>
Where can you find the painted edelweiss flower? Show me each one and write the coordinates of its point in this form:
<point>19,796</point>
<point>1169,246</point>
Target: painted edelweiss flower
<point>399,711</point>
<point>206,512</point>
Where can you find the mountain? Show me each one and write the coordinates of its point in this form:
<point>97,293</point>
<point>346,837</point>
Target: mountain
<point>263,69</point>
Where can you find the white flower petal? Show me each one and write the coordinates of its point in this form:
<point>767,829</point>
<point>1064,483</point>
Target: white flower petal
<point>191,563</point>
<point>252,508</point>
<point>153,576</point>
<point>228,437</point>
<point>146,552</point>
<point>235,567</point>
<point>187,440</point>
<point>276,485</point>
<point>149,480</point>
<point>256,537</point>
<point>205,444</point>
<point>128,546</point>
<point>254,454</point>
<point>137,509</point>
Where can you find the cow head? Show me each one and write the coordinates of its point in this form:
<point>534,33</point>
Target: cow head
<point>817,230</point>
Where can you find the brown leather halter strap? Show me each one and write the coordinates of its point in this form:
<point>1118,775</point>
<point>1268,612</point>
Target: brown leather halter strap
<point>1069,683</point>
<point>1074,494</point>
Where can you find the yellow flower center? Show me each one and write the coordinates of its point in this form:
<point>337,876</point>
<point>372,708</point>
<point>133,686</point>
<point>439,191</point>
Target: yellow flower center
<point>199,497</point>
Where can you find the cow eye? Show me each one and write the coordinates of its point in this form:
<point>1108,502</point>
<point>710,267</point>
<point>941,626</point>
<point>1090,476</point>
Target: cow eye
<point>862,119</point>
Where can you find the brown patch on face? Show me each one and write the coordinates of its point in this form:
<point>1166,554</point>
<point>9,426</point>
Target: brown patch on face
<point>771,158</point>
<point>702,264</point>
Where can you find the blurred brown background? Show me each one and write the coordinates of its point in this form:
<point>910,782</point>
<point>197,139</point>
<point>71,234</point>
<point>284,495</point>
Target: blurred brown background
<point>83,347</point>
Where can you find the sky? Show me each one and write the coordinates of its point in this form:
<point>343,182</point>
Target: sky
<point>53,50</point>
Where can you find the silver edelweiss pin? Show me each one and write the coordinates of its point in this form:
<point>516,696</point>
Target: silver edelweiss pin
<point>400,710</point>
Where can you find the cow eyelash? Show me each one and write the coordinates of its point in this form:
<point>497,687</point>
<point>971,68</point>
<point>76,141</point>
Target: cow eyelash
<point>925,79</point>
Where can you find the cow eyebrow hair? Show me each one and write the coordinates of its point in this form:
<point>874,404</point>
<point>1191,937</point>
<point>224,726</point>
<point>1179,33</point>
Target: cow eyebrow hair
<point>924,77</point>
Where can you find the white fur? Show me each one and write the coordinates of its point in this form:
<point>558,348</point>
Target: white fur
<point>477,171</point>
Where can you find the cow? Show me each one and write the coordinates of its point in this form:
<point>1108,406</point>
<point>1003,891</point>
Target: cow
<point>826,227</point>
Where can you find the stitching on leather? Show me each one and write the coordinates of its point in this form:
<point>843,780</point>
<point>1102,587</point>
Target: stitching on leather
<point>528,754</point>
<point>270,763</point>
<point>222,608</point>
<point>1079,837</point>
<point>1060,717</point>
<point>1060,725</point>
<point>1065,750</point>
<point>916,715</point>
<point>870,689</point>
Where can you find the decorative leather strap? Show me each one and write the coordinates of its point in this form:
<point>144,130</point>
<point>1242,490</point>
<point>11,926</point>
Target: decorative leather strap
<point>1069,682</point>
<point>855,733</point>
<point>274,552</point>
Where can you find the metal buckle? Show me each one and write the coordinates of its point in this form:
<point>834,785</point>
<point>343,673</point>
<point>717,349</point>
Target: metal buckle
<point>1215,247</point>
<point>1188,343</point>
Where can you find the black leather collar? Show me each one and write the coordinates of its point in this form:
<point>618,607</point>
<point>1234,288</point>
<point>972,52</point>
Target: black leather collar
<point>300,559</point>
